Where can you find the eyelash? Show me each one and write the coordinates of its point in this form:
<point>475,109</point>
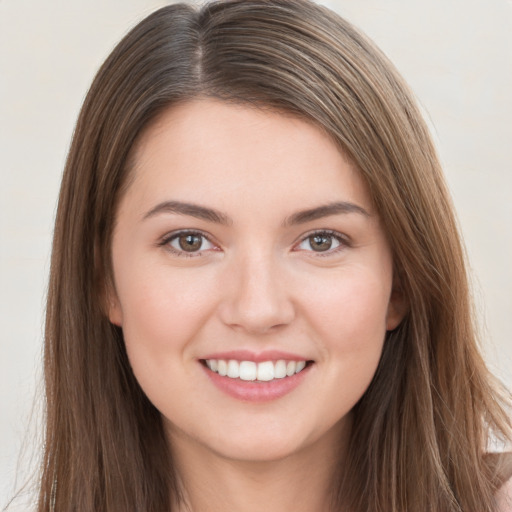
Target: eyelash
<point>166,243</point>
<point>343,241</point>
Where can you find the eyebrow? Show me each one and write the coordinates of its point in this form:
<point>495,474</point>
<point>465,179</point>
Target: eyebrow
<point>217,217</point>
<point>337,208</point>
<point>190,209</point>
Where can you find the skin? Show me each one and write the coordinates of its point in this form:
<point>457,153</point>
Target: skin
<point>504,497</point>
<point>258,283</point>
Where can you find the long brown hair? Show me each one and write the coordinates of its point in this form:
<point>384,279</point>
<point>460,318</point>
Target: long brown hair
<point>420,431</point>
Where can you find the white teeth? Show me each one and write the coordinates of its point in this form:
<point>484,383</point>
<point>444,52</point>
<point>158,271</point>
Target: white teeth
<point>290,368</point>
<point>266,371</point>
<point>300,366</point>
<point>280,369</point>
<point>249,370</point>
<point>233,369</point>
<point>222,367</point>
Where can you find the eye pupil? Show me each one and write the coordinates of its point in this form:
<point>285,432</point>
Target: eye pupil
<point>320,242</point>
<point>190,243</point>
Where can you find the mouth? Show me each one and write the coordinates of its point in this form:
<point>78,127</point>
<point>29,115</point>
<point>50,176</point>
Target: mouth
<point>251,371</point>
<point>256,376</point>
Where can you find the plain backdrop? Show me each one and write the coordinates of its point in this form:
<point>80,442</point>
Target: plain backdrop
<point>455,54</point>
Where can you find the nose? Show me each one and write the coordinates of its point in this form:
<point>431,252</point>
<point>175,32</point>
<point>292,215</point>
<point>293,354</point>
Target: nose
<point>256,298</point>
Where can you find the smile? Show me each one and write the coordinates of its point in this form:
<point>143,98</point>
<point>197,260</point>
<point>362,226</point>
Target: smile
<point>256,376</point>
<point>264,371</point>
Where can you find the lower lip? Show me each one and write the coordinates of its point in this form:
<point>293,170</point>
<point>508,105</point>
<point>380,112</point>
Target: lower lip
<point>255,391</point>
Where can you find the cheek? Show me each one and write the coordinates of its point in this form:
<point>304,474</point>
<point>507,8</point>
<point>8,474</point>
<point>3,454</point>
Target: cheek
<point>348,317</point>
<point>350,307</point>
<point>163,311</point>
<point>347,314</point>
<point>163,308</point>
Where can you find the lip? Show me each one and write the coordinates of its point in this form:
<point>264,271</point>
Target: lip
<point>254,391</point>
<point>247,355</point>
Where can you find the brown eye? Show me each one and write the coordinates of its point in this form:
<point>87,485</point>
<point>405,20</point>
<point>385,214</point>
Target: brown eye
<point>320,243</point>
<point>189,243</point>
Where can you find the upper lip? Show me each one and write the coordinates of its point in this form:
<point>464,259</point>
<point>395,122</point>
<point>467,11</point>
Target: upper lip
<point>257,357</point>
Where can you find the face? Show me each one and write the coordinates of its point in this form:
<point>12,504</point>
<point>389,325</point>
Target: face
<point>253,282</point>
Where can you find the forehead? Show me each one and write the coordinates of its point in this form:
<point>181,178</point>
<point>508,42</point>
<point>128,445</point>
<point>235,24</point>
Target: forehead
<point>211,151</point>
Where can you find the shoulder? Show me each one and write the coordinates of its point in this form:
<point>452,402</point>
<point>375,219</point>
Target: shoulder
<point>504,495</point>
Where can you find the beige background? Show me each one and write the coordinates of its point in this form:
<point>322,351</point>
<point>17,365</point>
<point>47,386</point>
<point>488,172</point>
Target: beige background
<point>456,55</point>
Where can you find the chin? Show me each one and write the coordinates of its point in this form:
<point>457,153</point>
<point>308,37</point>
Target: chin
<point>259,450</point>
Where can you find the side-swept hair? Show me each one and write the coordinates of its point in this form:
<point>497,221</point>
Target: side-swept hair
<point>420,430</point>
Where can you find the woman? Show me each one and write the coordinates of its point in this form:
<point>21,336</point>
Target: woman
<point>257,296</point>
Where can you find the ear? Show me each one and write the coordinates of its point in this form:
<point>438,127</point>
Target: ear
<point>112,306</point>
<point>397,306</point>
<point>109,302</point>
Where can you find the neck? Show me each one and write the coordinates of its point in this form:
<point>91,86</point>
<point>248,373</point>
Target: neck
<point>300,482</point>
